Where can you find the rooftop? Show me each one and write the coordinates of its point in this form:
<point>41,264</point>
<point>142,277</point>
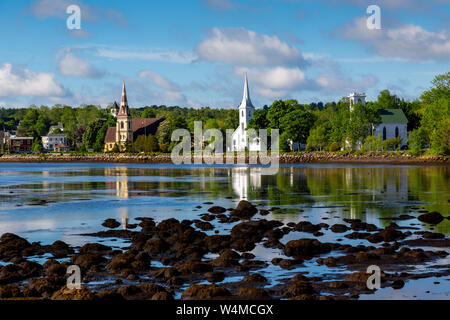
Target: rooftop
<point>392,116</point>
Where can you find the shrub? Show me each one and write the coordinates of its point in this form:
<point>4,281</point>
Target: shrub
<point>334,147</point>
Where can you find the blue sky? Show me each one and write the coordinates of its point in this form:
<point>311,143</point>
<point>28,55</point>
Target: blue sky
<point>195,53</point>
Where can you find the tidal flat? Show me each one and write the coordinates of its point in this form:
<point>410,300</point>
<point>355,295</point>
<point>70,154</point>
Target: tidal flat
<point>160,231</point>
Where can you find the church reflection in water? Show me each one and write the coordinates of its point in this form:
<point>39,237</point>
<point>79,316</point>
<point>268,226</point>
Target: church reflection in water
<point>244,180</point>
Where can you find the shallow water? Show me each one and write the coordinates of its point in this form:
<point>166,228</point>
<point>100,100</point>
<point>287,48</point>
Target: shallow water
<point>80,196</point>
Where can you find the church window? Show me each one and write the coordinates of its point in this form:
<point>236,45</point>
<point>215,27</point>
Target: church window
<point>396,132</point>
<point>121,125</point>
<point>242,112</point>
<point>384,133</point>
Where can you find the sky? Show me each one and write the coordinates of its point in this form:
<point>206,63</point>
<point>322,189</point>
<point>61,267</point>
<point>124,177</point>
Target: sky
<point>194,53</point>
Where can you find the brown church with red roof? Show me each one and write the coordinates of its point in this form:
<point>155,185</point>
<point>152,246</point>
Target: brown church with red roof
<point>127,129</point>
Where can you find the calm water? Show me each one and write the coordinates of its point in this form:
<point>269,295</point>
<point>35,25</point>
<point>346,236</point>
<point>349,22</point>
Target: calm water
<point>80,196</point>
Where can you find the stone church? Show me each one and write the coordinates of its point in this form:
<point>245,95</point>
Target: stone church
<point>128,129</point>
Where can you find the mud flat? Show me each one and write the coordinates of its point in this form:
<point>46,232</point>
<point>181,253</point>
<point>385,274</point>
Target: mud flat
<point>175,259</point>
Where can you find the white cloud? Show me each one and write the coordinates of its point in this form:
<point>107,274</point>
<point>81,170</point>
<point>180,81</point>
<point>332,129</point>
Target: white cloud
<point>19,81</point>
<point>407,41</point>
<point>336,82</point>
<point>274,82</point>
<point>73,65</point>
<point>169,91</point>
<point>146,54</point>
<point>238,46</point>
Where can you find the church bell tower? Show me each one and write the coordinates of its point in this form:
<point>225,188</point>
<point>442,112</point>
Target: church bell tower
<point>124,132</point>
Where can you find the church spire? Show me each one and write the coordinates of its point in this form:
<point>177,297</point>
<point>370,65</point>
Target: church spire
<point>246,102</point>
<point>124,111</point>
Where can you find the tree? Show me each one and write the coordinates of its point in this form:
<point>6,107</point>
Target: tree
<point>372,143</point>
<point>387,101</point>
<point>276,111</point>
<point>259,120</point>
<point>297,123</point>
<point>317,138</point>
<point>416,141</point>
<point>37,145</point>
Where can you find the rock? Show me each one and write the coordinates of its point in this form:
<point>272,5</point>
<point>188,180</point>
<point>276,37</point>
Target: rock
<point>305,248</point>
<point>12,245</point>
<point>248,293</point>
<point>337,285</point>
<point>244,210</point>
<point>109,295</point>
<point>60,249</point>
<point>255,278</point>
<point>298,288</point>
<point>87,260</point>
<point>214,277</point>
<point>217,209</point>
<point>398,284</point>
<point>431,217</point>
<point>9,291</point>
<point>205,292</point>
<point>339,228</point>
<point>95,248</point>
<point>433,235</point>
<point>190,267</point>
<point>111,223</point>
<point>306,226</point>
<point>156,246</point>
<point>73,294</point>
<point>43,287</point>
<point>203,225</point>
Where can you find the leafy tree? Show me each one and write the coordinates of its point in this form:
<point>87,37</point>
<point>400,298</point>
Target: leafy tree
<point>37,145</point>
<point>372,143</point>
<point>416,141</point>
<point>317,139</point>
<point>259,120</point>
<point>297,124</point>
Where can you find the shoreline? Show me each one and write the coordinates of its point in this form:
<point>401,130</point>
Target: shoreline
<point>401,158</point>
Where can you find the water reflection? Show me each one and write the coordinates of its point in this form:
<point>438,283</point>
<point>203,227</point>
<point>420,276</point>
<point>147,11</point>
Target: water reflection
<point>365,192</point>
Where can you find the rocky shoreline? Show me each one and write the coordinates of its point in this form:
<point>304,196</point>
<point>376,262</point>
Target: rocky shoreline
<point>177,259</point>
<point>402,158</point>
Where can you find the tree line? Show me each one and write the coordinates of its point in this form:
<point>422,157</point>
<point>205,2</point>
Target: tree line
<point>321,126</point>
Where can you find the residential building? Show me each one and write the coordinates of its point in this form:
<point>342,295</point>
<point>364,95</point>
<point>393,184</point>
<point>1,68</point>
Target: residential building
<point>51,140</point>
<point>20,144</point>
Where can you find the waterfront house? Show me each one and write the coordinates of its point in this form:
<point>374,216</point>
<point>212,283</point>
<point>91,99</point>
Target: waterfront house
<point>51,140</point>
<point>20,144</point>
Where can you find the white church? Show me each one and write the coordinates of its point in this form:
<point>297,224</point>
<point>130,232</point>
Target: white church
<point>393,121</point>
<point>240,140</point>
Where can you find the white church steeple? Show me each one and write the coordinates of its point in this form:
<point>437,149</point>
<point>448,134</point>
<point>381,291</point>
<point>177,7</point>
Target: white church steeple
<point>246,108</point>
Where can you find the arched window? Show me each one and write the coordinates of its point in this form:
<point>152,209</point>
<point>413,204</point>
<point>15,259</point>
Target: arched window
<point>242,112</point>
<point>396,132</point>
<point>121,125</point>
<point>384,133</point>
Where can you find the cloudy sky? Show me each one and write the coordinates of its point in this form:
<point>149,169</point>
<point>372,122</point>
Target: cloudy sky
<point>195,53</point>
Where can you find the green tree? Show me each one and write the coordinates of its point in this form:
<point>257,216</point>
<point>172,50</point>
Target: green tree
<point>417,141</point>
<point>317,139</point>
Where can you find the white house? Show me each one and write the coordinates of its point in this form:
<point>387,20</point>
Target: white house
<point>51,140</point>
<point>240,141</point>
